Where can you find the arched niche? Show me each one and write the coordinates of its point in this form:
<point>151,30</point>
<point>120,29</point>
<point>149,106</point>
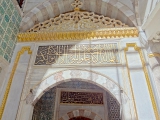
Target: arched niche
<point>47,103</point>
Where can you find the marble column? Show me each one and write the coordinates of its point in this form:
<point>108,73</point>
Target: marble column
<point>141,95</point>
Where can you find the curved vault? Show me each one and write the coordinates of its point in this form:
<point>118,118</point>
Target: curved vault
<point>50,9</point>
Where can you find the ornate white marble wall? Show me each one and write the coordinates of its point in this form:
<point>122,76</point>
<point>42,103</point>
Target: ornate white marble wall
<point>126,81</point>
<point>154,64</point>
<point>3,70</point>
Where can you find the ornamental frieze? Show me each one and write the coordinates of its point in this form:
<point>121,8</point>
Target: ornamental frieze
<point>77,21</point>
<point>81,97</point>
<point>83,54</point>
<point>78,25</point>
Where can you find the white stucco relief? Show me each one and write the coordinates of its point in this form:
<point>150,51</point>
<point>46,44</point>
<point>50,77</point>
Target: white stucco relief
<point>83,75</point>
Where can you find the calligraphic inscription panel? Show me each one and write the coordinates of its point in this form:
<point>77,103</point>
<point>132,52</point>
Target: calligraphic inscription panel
<point>81,97</point>
<point>78,54</point>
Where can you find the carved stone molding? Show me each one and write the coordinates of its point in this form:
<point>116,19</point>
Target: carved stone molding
<point>78,25</point>
<point>77,21</point>
<point>78,35</point>
<point>21,52</point>
<point>153,55</point>
<point>151,92</point>
<point>156,37</point>
<point>81,112</point>
<point>51,8</point>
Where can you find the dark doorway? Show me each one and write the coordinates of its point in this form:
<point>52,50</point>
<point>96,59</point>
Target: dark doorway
<point>79,118</point>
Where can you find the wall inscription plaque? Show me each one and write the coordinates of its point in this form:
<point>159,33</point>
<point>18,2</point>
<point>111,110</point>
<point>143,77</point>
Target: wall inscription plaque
<point>81,97</point>
<point>83,54</point>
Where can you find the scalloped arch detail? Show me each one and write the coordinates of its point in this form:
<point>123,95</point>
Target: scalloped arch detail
<point>50,9</point>
<point>77,21</point>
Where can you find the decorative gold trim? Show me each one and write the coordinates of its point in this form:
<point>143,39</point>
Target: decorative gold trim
<point>23,49</point>
<point>153,55</point>
<point>130,82</point>
<point>138,49</point>
<point>78,35</point>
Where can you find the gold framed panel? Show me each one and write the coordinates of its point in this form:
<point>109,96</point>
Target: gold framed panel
<point>21,52</point>
<point>150,89</point>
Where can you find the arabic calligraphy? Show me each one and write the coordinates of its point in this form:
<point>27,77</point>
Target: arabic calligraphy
<point>77,54</point>
<point>81,97</point>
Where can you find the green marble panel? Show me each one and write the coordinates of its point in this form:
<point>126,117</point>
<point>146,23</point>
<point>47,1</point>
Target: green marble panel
<point>16,25</point>
<point>1,31</point>
<point>13,19</point>
<point>9,12</point>
<point>8,1</point>
<point>6,57</point>
<point>9,59</point>
<point>9,27</point>
<point>13,36</point>
<point>11,43</point>
<point>4,4</point>
<point>8,50</point>
<point>11,24</point>
<point>1,52</point>
<point>1,18</point>
<point>11,6</point>
<point>4,24</point>
<point>6,38</point>
<point>3,45</point>
<point>0,40</point>
<point>6,17</point>
<point>19,19</point>
<point>2,10</point>
<point>9,31</point>
<point>14,46</point>
<point>16,13</point>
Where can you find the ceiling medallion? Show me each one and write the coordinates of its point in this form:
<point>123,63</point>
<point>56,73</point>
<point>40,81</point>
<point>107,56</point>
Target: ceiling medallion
<point>78,25</point>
